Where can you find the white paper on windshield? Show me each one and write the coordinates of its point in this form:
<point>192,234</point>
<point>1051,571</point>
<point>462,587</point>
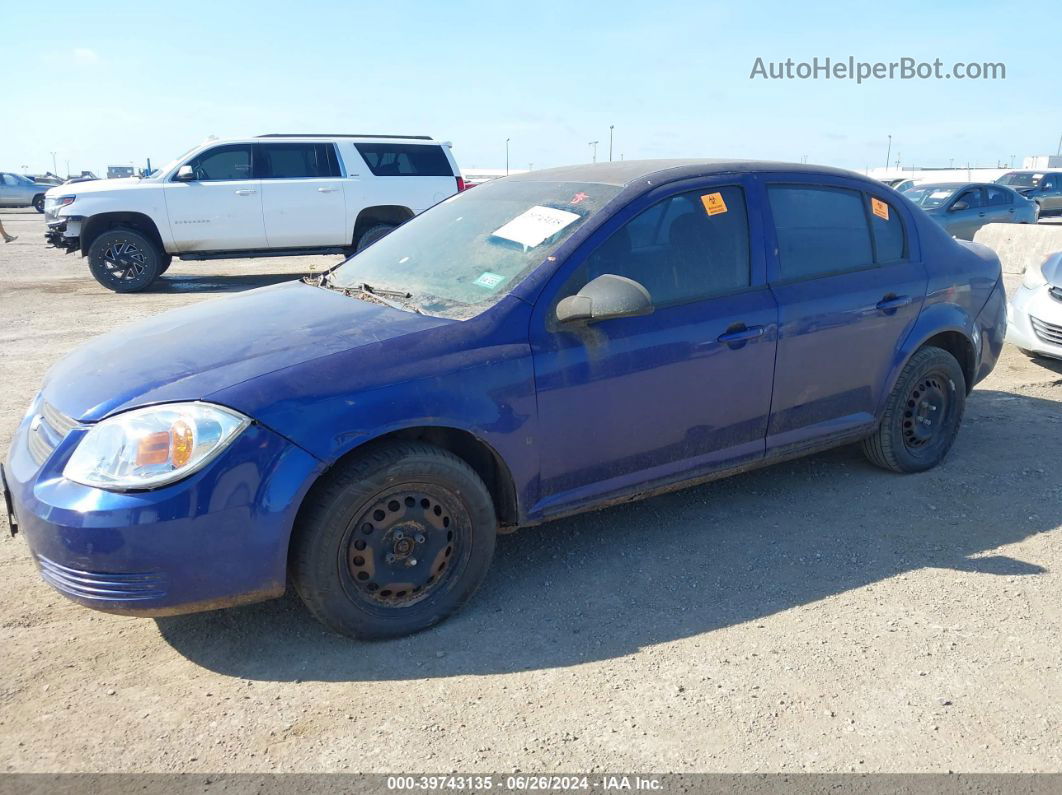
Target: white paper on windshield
<point>530,228</point>
<point>940,194</point>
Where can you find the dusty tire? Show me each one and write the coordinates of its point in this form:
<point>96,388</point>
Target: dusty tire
<point>372,234</point>
<point>393,541</point>
<point>38,203</point>
<point>922,414</point>
<point>124,260</point>
<point>166,261</point>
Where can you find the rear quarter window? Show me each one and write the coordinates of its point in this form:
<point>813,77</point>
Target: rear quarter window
<point>405,160</point>
<point>890,239</point>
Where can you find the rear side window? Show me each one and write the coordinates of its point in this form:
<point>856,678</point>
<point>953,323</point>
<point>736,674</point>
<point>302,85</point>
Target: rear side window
<point>405,160</point>
<point>292,161</point>
<point>229,162</point>
<point>820,230</point>
<point>889,238</point>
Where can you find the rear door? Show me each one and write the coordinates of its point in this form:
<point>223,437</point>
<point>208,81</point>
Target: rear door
<point>302,195</point>
<point>999,205</point>
<point>221,208</point>
<point>849,284</point>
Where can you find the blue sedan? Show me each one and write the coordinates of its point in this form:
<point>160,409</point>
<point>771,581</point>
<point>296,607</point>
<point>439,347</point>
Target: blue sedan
<point>546,344</point>
<point>964,207</point>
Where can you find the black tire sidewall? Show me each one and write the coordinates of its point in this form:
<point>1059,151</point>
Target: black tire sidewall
<point>152,264</point>
<point>38,204</point>
<point>372,235</point>
<point>324,532</point>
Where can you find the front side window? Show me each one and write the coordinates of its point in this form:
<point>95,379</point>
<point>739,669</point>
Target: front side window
<point>229,162</point>
<point>405,160</point>
<point>821,230</point>
<point>294,161</point>
<point>972,198</point>
<point>684,248</point>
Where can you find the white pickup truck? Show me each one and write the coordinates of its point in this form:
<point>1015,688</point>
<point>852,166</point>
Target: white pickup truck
<point>274,195</point>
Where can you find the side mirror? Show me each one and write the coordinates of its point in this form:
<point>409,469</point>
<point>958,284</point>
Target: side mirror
<point>184,174</point>
<point>959,206</point>
<point>607,296</point>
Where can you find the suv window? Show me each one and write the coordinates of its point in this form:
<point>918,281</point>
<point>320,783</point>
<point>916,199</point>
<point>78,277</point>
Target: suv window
<point>677,250</point>
<point>228,162</point>
<point>292,161</point>
<point>890,239</point>
<point>405,160</point>
<point>1050,182</point>
<point>999,196</point>
<point>821,230</point>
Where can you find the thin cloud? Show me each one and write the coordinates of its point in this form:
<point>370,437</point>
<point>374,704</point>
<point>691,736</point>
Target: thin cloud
<point>85,56</point>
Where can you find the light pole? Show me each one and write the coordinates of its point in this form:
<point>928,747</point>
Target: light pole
<point>55,168</point>
<point>610,128</point>
<point>888,154</point>
<point>1012,161</point>
<point>593,146</point>
<point>506,157</point>
<point>530,166</point>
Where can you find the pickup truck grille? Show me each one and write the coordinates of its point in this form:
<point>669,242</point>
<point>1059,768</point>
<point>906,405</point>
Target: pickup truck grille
<point>1048,332</point>
<point>46,431</point>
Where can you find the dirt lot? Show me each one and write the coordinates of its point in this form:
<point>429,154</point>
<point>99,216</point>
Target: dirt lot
<point>820,615</point>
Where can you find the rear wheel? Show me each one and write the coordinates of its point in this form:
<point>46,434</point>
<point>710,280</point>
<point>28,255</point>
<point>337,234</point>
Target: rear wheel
<point>125,260</point>
<point>372,234</point>
<point>922,414</point>
<point>393,542</point>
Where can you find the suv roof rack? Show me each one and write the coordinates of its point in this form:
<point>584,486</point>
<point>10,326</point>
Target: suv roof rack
<point>345,135</point>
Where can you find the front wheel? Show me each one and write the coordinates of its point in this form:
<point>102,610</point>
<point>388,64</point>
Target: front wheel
<point>922,414</point>
<point>393,541</point>
<point>125,260</point>
<point>38,203</point>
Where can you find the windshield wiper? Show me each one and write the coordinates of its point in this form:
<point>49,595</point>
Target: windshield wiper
<point>402,295</point>
<point>396,299</point>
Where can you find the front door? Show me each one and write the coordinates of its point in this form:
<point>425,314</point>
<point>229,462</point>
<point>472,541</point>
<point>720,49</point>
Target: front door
<point>220,209</point>
<point>632,403</point>
<point>849,285</point>
<point>966,214</point>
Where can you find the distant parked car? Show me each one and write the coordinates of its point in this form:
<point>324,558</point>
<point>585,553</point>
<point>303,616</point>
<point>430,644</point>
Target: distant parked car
<point>901,184</point>
<point>270,196</point>
<point>964,207</point>
<point>19,191</point>
<point>1035,311</point>
<point>1043,187</point>
<point>550,343</point>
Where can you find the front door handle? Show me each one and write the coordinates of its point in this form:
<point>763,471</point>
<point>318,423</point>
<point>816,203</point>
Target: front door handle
<point>739,332</point>
<point>327,190</point>
<point>246,192</point>
<point>890,303</point>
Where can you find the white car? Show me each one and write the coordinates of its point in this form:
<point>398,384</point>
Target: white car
<point>273,195</point>
<point>1034,315</point>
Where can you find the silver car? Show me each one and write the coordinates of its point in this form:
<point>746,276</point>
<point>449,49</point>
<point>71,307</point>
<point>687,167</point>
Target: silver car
<point>1034,313</point>
<point>19,191</point>
<point>964,207</point>
<point>1042,187</point>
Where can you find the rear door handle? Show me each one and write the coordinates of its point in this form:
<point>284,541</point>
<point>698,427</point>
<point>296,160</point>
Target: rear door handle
<point>893,302</point>
<point>741,333</point>
<point>327,190</point>
<point>246,192</point>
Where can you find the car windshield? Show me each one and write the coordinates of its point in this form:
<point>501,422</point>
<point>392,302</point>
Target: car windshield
<point>929,196</point>
<point>466,253</point>
<point>1021,179</point>
<point>158,172</point>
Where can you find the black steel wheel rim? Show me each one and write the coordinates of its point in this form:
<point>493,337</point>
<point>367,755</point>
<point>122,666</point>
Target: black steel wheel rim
<point>403,545</point>
<point>928,411</point>
<point>123,260</point>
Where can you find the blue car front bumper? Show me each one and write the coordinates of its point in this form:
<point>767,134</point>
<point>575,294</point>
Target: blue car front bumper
<point>218,538</point>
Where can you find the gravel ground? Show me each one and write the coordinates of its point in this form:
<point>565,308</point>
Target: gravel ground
<point>820,615</point>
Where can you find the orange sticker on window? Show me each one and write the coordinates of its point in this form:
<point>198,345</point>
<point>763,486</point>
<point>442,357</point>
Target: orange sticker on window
<point>880,208</point>
<point>713,203</point>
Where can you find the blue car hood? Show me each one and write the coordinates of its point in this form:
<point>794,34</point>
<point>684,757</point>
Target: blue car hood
<point>189,353</point>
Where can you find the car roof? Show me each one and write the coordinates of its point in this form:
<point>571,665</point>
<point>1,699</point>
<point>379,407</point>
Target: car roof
<point>626,172</point>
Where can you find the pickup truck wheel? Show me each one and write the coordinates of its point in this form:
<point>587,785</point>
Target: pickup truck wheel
<point>393,541</point>
<point>372,234</point>
<point>124,260</point>
<point>38,203</point>
<point>922,414</point>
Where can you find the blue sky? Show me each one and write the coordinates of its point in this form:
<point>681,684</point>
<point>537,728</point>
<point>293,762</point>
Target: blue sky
<point>112,82</point>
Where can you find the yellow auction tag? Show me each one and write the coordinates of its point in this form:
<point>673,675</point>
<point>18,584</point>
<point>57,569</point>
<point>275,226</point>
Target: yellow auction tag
<point>713,203</point>
<point>880,208</point>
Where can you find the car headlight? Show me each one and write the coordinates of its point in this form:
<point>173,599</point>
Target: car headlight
<point>1033,276</point>
<point>150,447</point>
<point>59,201</point>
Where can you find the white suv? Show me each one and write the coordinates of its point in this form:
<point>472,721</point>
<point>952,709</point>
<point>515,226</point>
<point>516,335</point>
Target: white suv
<point>274,195</point>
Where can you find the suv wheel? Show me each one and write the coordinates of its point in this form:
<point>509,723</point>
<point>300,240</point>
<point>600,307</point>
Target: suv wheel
<point>372,234</point>
<point>38,203</point>
<point>393,542</point>
<point>124,260</point>
<point>922,414</point>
